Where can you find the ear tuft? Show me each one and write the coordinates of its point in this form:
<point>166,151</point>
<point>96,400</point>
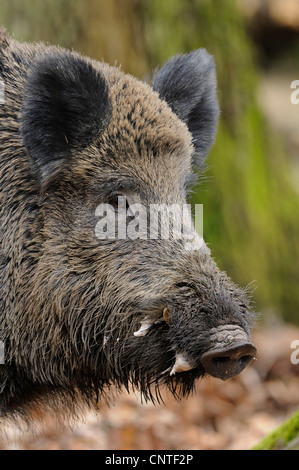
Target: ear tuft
<point>188,84</point>
<point>66,107</point>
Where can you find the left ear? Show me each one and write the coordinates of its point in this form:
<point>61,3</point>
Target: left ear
<point>188,84</point>
<point>66,107</point>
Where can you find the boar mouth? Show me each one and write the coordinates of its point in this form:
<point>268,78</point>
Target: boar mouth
<point>223,363</point>
<point>157,366</point>
<point>182,384</point>
<point>159,363</point>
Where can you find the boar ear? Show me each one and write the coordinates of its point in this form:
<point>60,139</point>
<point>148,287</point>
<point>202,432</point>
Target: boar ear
<point>188,84</point>
<point>66,106</point>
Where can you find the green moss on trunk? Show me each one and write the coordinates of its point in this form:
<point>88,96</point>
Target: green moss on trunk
<point>283,438</point>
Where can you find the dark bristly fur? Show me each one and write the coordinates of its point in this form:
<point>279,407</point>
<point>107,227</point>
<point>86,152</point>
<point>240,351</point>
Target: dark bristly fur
<point>74,132</point>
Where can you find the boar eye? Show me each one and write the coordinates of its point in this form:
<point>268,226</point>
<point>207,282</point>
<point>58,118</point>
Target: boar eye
<point>119,202</point>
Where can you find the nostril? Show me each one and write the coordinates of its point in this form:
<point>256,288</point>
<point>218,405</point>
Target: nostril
<point>228,362</point>
<point>221,360</point>
<point>245,360</point>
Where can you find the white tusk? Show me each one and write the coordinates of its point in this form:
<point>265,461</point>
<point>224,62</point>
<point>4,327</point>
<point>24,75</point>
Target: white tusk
<point>182,364</point>
<point>143,329</point>
<point>145,325</point>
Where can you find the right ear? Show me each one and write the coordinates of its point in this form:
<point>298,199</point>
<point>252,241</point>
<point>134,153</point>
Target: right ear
<point>66,107</point>
<point>188,84</point>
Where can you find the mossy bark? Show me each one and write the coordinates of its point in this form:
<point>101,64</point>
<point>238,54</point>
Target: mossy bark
<point>286,437</point>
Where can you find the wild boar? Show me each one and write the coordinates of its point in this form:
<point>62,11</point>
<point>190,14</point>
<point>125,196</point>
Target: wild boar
<point>83,313</point>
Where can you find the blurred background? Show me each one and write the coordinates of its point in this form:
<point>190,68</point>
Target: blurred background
<point>250,194</point>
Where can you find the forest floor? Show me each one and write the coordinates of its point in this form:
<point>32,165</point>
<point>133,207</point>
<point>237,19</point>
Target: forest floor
<point>235,414</point>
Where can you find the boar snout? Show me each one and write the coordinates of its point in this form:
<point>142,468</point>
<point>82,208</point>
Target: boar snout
<point>228,362</point>
<point>230,352</point>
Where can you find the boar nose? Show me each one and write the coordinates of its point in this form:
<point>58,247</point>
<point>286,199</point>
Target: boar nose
<point>228,362</point>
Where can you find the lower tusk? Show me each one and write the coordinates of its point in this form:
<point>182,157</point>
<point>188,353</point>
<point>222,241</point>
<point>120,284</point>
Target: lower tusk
<point>146,324</point>
<point>182,364</point>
